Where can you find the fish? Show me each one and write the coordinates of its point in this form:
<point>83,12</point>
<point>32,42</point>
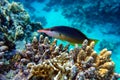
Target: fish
<point>70,34</point>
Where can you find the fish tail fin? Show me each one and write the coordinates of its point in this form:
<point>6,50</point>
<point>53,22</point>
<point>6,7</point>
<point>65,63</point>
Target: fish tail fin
<point>91,40</point>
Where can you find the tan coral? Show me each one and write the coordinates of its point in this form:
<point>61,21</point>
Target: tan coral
<point>103,72</point>
<point>52,62</point>
<point>108,65</point>
<point>51,67</point>
<point>103,57</point>
<point>53,45</point>
<point>102,62</point>
<point>81,56</point>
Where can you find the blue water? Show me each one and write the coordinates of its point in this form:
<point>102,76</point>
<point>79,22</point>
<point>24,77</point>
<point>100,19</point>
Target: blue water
<point>98,20</point>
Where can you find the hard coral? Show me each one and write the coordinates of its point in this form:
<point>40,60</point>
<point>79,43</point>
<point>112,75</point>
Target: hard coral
<point>45,60</point>
<point>52,62</point>
<point>15,8</point>
<point>15,23</point>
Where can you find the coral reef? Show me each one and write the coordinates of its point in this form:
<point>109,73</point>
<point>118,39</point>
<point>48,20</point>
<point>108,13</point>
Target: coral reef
<point>14,21</point>
<point>42,59</point>
<point>90,13</point>
<point>94,8</point>
<point>46,60</point>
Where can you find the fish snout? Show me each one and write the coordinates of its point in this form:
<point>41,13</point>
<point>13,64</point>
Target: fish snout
<point>40,30</point>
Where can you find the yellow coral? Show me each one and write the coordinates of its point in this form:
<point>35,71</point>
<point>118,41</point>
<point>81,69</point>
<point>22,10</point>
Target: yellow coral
<point>103,72</point>
<point>63,64</point>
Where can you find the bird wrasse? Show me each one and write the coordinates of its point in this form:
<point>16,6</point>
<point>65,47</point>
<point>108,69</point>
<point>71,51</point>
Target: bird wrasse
<point>66,33</point>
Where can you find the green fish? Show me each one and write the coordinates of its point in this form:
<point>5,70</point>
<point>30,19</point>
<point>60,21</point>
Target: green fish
<point>66,33</point>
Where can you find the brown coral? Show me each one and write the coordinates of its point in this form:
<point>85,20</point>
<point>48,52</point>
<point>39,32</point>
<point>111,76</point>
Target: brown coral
<point>56,62</point>
<point>48,61</point>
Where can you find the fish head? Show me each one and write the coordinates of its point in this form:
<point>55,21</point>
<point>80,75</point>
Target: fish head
<point>50,32</point>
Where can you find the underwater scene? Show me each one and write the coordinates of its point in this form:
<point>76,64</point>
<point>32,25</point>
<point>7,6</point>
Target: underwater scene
<point>59,40</point>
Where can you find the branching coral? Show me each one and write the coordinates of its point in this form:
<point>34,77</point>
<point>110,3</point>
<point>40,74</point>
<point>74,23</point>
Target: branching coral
<point>49,68</point>
<point>46,60</point>
<point>52,62</point>
<point>102,64</point>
